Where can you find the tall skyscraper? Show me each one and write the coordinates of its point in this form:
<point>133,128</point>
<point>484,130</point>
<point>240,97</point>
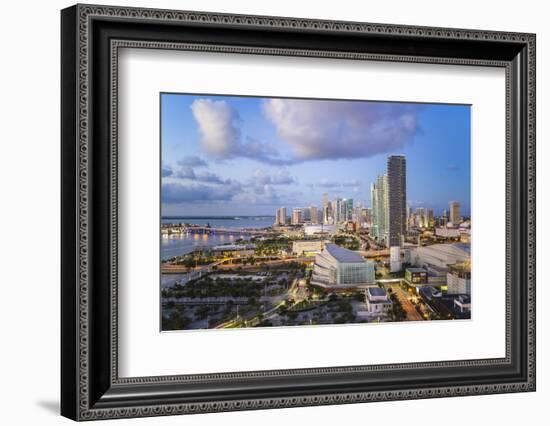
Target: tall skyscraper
<point>397,189</point>
<point>325,199</point>
<point>366,212</point>
<point>379,205</point>
<point>313,217</point>
<point>429,222</point>
<point>444,218</point>
<point>327,214</point>
<point>280,217</point>
<point>296,216</point>
<point>306,214</point>
<point>337,213</point>
<point>326,208</point>
<point>454,213</point>
<point>348,209</point>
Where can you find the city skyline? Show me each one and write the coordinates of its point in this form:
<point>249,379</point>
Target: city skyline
<point>250,156</point>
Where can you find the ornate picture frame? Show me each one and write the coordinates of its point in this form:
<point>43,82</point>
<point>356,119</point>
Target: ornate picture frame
<point>91,37</point>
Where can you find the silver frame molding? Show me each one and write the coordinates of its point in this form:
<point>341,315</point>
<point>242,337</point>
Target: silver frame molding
<point>91,39</point>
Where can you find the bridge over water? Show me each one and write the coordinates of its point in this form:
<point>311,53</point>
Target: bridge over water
<point>197,229</point>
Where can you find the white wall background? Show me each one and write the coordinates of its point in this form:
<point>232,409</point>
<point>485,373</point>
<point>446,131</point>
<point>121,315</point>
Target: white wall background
<point>29,213</point>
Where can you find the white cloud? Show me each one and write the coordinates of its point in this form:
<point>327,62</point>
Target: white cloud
<point>218,126</point>
<point>341,129</point>
<point>220,133</point>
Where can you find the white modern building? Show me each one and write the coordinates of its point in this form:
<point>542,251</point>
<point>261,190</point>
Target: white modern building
<point>377,301</point>
<point>339,268</point>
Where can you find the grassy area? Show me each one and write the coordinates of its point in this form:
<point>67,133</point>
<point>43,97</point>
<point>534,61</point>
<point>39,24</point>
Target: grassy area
<point>271,246</point>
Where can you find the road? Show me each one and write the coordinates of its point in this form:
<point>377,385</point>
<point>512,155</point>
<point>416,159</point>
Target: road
<point>412,314</point>
<point>252,319</point>
<point>167,268</point>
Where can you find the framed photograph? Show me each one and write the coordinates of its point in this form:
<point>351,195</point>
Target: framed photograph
<point>263,212</point>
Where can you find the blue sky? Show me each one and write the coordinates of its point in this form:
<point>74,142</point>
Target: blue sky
<point>230,155</point>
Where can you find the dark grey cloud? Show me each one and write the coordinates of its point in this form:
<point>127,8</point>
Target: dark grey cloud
<point>209,177</point>
<point>280,177</point>
<point>175,193</point>
<point>185,171</point>
<point>192,161</point>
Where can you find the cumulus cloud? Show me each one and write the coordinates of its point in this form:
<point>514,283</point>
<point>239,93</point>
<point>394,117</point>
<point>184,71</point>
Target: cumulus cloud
<point>220,133</point>
<point>218,126</point>
<point>317,130</point>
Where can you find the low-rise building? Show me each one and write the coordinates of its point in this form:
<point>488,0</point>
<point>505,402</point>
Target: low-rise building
<point>377,301</point>
<point>459,278</point>
<point>416,276</point>
<point>307,247</point>
<point>438,257</point>
<point>291,231</point>
<point>319,229</point>
<point>447,232</point>
<point>235,250</point>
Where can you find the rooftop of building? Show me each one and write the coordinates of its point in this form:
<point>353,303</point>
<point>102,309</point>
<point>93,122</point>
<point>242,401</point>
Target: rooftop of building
<point>376,291</point>
<point>342,254</point>
<point>429,290</point>
<point>452,248</point>
<point>461,267</point>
